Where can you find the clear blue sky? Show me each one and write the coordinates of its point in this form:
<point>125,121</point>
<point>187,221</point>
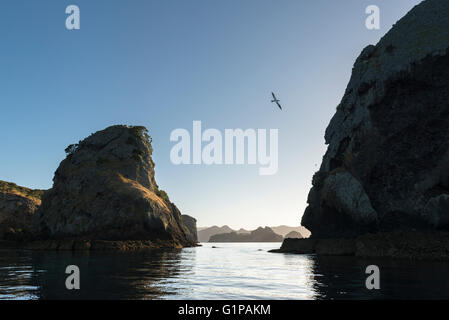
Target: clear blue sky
<point>165,63</point>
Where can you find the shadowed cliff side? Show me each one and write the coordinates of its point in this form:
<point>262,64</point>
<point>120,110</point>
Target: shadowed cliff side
<point>387,164</point>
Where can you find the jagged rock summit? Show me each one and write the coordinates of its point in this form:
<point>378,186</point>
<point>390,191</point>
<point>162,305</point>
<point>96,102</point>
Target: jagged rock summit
<point>105,190</point>
<point>387,164</point>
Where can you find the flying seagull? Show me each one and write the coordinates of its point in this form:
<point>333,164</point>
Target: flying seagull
<point>276,100</point>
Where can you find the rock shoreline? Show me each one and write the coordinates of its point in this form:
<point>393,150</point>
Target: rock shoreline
<point>93,245</point>
<point>395,245</point>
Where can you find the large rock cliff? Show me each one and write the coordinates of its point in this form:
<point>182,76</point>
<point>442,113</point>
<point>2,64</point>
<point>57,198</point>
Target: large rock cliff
<point>105,189</point>
<point>387,164</point>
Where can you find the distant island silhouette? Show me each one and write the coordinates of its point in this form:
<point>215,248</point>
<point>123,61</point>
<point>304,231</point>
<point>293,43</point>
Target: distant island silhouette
<point>205,233</point>
<point>259,235</point>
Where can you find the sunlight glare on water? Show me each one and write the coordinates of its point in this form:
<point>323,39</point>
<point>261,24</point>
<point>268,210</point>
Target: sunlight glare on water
<point>214,271</point>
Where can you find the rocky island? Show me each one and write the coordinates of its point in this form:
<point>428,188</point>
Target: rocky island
<point>258,235</point>
<point>383,186</point>
<point>104,196</point>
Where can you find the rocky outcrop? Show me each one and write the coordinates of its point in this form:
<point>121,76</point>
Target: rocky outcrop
<point>17,208</point>
<point>105,190</point>
<point>398,245</point>
<point>293,235</point>
<point>190,230</point>
<point>258,235</point>
<point>387,164</point>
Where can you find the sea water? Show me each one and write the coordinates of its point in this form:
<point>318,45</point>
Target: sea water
<point>215,271</point>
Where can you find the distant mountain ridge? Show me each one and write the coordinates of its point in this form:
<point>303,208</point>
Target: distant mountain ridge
<point>204,233</point>
<point>259,235</point>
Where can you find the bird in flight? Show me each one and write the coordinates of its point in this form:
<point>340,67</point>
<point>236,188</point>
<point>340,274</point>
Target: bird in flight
<point>276,100</point>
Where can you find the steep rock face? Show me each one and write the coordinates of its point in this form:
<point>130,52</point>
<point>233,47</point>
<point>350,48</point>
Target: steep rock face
<point>105,189</point>
<point>387,163</point>
<point>17,208</point>
<point>190,224</point>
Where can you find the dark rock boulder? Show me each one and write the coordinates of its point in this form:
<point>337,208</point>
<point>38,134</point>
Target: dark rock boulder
<point>105,190</point>
<point>387,164</point>
<point>191,231</point>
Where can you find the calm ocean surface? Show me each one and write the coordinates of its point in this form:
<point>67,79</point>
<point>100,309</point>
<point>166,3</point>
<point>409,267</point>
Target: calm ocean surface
<point>230,271</point>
